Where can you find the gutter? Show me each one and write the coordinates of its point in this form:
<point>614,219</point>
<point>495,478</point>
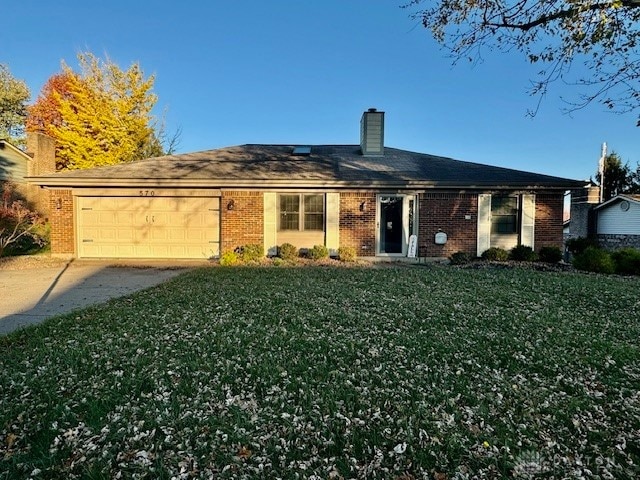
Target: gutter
<point>258,184</point>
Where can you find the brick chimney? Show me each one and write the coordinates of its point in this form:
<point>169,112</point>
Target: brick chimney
<point>372,133</point>
<point>42,150</point>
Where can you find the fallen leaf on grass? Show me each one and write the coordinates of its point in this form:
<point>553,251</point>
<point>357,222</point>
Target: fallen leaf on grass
<point>11,439</point>
<point>244,452</point>
<point>406,476</point>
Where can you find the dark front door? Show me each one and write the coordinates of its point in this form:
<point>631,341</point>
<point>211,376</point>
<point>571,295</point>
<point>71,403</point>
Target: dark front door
<point>391,238</point>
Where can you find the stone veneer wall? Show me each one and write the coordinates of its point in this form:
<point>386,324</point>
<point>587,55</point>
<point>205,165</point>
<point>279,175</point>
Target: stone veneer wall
<point>582,215</point>
<point>614,242</point>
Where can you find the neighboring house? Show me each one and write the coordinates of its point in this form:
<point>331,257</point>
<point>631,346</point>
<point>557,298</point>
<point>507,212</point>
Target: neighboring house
<point>16,166</point>
<point>14,163</point>
<point>618,222</point>
<point>366,196</point>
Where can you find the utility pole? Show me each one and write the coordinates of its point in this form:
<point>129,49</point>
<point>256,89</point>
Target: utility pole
<point>601,170</point>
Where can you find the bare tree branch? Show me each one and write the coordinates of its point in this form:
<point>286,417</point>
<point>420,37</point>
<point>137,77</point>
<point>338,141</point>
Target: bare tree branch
<point>601,35</point>
<point>559,14</point>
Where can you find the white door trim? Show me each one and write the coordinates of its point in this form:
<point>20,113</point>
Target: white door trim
<point>406,198</point>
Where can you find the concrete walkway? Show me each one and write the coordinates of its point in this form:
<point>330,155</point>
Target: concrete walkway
<point>29,296</point>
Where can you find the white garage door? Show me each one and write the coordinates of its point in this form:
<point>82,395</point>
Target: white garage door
<point>148,227</point>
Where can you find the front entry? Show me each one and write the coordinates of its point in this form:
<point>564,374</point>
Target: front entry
<point>395,223</point>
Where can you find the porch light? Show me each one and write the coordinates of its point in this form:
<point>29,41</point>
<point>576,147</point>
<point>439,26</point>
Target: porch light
<point>58,203</point>
<point>231,205</point>
<point>363,206</point>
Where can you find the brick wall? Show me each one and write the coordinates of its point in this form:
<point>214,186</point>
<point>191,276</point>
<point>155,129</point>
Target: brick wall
<point>245,223</point>
<point>548,222</point>
<point>61,218</point>
<point>43,151</point>
<point>447,212</point>
<point>358,228</point>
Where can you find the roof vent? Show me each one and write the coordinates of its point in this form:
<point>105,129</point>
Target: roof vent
<point>372,133</point>
<point>302,150</point>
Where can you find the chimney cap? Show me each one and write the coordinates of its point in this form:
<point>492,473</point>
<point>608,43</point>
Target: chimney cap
<point>373,109</point>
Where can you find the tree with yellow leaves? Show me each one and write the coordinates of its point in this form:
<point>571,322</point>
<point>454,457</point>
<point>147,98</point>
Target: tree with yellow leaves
<point>103,115</point>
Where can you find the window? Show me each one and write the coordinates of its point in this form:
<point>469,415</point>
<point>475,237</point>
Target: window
<point>313,212</point>
<point>301,212</point>
<point>289,212</point>
<point>504,215</point>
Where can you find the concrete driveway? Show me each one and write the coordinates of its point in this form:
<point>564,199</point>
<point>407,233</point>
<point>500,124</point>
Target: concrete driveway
<point>34,293</point>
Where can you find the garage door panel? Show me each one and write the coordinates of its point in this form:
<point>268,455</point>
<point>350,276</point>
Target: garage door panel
<point>91,250</point>
<point>142,251</point>
<point>123,218</point>
<point>177,234</point>
<point>91,218</point>
<point>125,235</point>
<point>107,218</point>
<point>158,219</point>
<point>158,235</point>
<point>89,233</point>
<point>144,227</point>
<point>109,234</point>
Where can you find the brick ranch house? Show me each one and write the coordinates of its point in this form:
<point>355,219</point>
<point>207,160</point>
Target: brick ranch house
<point>366,196</point>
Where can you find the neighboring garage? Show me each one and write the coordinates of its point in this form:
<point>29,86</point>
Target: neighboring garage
<point>147,226</point>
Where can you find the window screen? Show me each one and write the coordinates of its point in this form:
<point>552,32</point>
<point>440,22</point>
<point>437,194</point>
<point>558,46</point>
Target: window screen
<point>289,212</point>
<point>314,212</point>
<point>504,215</point>
<point>301,211</point>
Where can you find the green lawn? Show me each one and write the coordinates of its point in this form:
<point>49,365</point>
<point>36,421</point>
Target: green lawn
<point>329,373</point>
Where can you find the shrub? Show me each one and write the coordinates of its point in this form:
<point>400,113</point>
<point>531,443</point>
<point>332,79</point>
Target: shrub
<point>496,254</point>
<point>251,252</point>
<point>318,252</point>
<point>21,229</point>
<point>277,261</point>
<point>550,254</point>
<point>460,258</point>
<point>347,254</point>
<point>229,258</point>
<point>627,261</point>
<point>286,251</point>
<point>580,244</point>
<point>523,253</point>
<point>37,241</point>
<point>594,259</point>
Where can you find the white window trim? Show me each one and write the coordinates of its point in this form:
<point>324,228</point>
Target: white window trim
<point>301,212</point>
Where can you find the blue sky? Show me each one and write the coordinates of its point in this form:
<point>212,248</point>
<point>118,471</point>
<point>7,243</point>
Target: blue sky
<point>302,72</point>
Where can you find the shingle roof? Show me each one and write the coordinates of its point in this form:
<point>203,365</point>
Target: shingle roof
<point>342,165</point>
